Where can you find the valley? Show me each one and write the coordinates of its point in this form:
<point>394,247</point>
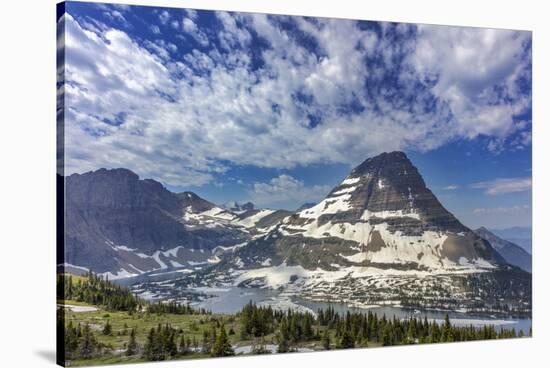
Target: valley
<point>379,239</point>
<point>113,326</point>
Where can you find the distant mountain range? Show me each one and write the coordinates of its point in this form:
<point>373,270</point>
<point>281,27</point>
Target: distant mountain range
<point>118,224</point>
<point>381,233</point>
<point>239,208</point>
<point>512,253</point>
<point>520,235</point>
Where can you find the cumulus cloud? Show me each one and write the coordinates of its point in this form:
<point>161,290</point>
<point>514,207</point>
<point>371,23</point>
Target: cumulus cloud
<point>285,189</point>
<point>280,92</point>
<point>504,185</point>
<point>478,73</point>
<point>191,28</point>
<point>164,16</point>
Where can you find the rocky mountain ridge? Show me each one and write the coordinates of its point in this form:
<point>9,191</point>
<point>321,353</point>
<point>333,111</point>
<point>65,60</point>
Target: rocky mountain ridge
<point>121,225</point>
<point>381,215</point>
<point>512,253</point>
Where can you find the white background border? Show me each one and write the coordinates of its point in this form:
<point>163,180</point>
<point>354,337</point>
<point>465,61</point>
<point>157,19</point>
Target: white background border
<point>27,182</point>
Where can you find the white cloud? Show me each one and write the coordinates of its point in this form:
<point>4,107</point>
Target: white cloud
<point>476,72</point>
<point>181,117</point>
<point>164,17</point>
<point>118,16</point>
<point>155,29</point>
<point>285,189</point>
<point>501,210</point>
<point>161,48</point>
<point>191,28</point>
<point>191,13</point>
<point>451,187</point>
<point>504,185</point>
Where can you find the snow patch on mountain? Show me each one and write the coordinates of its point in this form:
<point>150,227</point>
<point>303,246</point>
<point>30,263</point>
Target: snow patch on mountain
<point>350,181</point>
<point>121,274</point>
<point>219,213</point>
<point>344,190</point>
<point>389,214</point>
<point>285,276</point>
<point>251,221</point>
<point>329,205</point>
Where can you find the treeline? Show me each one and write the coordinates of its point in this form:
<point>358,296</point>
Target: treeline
<point>361,328</point>
<point>165,342</point>
<point>356,329</point>
<point>291,326</point>
<point>174,308</point>
<point>94,289</point>
<point>79,341</point>
<point>289,329</point>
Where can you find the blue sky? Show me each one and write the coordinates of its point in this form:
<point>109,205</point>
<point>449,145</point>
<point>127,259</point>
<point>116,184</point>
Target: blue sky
<point>278,109</point>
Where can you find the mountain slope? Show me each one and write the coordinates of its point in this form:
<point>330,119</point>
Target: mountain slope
<point>380,237</point>
<point>118,224</point>
<point>381,215</point>
<point>520,235</point>
<point>512,253</point>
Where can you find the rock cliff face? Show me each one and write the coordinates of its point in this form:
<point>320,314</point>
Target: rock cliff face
<point>381,215</point>
<point>390,182</point>
<point>117,223</point>
<point>115,206</point>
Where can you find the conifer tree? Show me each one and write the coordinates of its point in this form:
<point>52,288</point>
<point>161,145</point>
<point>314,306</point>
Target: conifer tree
<point>205,342</point>
<point>326,340</point>
<point>132,343</point>
<point>149,345</point>
<point>222,347</point>
<point>107,329</point>
<point>88,345</point>
<point>283,346</point>
<point>183,345</point>
<point>387,338</point>
<point>346,341</point>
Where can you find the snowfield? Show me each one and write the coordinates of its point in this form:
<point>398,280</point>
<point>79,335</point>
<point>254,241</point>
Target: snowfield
<point>77,308</point>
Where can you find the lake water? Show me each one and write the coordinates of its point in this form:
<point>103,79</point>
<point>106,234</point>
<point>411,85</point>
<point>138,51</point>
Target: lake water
<point>231,300</point>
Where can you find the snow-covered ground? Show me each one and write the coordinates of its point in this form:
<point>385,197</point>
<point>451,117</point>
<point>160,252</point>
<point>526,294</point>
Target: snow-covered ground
<point>77,308</point>
<point>247,349</point>
<point>284,303</point>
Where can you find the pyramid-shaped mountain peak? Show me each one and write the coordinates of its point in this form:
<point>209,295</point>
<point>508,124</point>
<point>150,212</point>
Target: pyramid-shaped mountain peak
<point>390,184</point>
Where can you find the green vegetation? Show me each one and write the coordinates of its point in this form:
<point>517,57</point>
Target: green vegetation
<point>126,329</point>
<point>222,347</point>
<point>97,291</point>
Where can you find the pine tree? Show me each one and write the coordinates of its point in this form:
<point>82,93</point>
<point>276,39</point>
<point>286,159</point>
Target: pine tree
<point>446,331</point>
<point>149,345</point>
<point>283,346</point>
<point>107,329</point>
<point>411,332</point>
<point>326,340</point>
<point>387,339</point>
<point>307,328</point>
<point>171,347</point>
<point>205,347</point>
<point>346,341</point>
<point>183,345</point>
<point>88,345</point>
<point>222,347</point>
<point>132,343</point>
<point>213,336</point>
